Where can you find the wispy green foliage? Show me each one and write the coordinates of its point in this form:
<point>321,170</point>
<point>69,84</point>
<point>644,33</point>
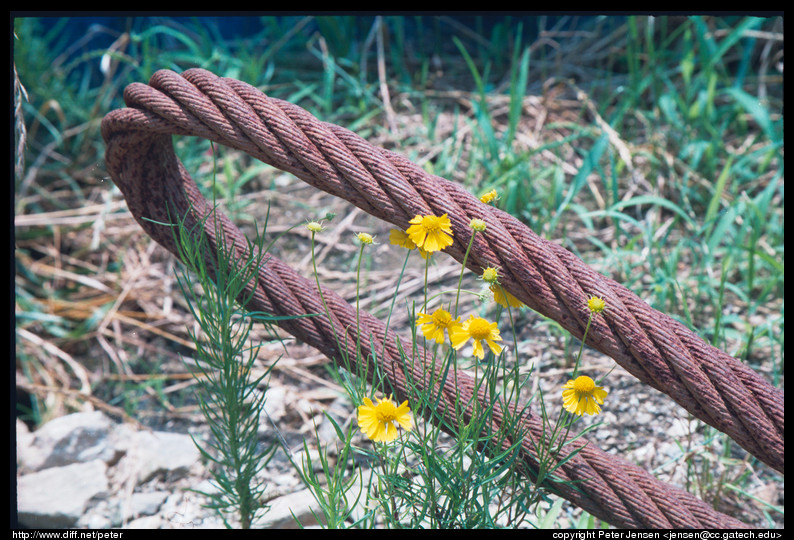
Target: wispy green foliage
<point>231,396</point>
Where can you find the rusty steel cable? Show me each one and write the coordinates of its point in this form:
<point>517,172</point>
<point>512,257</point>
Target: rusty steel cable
<point>655,348</point>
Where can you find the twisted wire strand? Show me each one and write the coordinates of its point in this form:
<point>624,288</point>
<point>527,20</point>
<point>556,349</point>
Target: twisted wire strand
<point>656,349</point>
<point>158,190</point>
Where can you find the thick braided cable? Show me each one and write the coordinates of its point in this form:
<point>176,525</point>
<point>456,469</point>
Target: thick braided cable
<point>158,191</point>
<point>655,348</point>
<point>141,161</point>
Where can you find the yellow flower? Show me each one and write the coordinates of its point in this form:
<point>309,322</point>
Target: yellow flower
<point>434,325</point>
<point>478,330</point>
<point>582,396</point>
<point>377,421</point>
<point>490,196</point>
<point>490,275</point>
<point>365,238</point>
<point>400,238</point>
<point>478,225</point>
<point>503,298</point>
<point>596,304</point>
<point>314,226</point>
<point>431,233</point>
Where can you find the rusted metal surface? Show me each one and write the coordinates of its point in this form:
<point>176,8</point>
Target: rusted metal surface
<point>652,346</point>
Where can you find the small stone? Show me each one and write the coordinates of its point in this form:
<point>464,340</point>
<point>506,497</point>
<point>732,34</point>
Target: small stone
<point>145,504</point>
<point>284,511</point>
<point>74,438</point>
<point>160,453</point>
<point>56,497</point>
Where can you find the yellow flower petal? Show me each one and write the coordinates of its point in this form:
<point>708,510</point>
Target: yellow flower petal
<point>504,298</point>
<point>401,238</point>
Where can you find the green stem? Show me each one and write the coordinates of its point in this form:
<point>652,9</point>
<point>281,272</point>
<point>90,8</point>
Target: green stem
<point>463,269</point>
<point>581,347</point>
<point>575,371</point>
<point>322,297</point>
<point>358,309</point>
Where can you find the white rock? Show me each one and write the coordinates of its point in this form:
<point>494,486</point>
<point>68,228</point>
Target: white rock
<point>275,405</point>
<point>144,504</point>
<point>74,438</point>
<point>281,511</point>
<point>24,440</point>
<point>146,522</point>
<point>56,497</point>
<point>159,452</point>
<point>681,428</point>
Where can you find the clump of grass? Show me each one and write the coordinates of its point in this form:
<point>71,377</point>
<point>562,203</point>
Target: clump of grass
<point>444,468</point>
<point>230,395</point>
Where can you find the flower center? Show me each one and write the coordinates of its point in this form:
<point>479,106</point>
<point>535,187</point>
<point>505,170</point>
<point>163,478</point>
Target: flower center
<point>442,319</point>
<point>431,223</point>
<point>479,328</point>
<point>490,275</point>
<point>365,238</point>
<point>386,412</point>
<point>596,304</point>
<point>584,384</point>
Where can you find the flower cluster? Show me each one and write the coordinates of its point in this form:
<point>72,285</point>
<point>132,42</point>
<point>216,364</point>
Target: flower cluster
<point>489,196</point>
<point>596,305</point>
<point>432,233</point>
<point>434,325</point>
<point>428,234</point>
<point>366,239</point>
<point>315,226</point>
<point>478,330</point>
